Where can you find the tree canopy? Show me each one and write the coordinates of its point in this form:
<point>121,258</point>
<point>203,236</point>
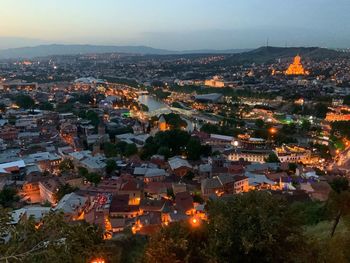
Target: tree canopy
<point>253,227</point>
<point>24,101</point>
<point>46,106</point>
<point>111,166</point>
<point>54,241</point>
<point>8,196</point>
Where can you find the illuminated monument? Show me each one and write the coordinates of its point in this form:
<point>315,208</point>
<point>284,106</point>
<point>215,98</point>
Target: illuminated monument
<point>296,68</point>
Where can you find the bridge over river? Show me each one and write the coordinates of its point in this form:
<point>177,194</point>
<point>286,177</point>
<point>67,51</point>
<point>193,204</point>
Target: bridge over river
<point>192,117</point>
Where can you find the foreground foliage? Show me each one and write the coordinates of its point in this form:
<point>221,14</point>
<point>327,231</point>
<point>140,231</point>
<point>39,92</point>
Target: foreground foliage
<point>53,241</point>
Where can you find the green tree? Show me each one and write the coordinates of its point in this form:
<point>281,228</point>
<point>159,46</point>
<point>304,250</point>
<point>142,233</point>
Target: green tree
<point>259,123</point>
<point>189,176</point>
<point>63,190</point>
<point>12,119</point>
<point>46,106</point>
<point>165,151</point>
<point>2,107</point>
<point>8,196</point>
<point>180,242</point>
<point>197,198</point>
<point>347,100</point>
<point>94,178</point>
<point>66,165</point>
<point>292,167</point>
<point>175,121</point>
<point>272,158</point>
<point>175,140</point>
<point>111,166</point>
<point>321,110</point>
<point>54,241</point>
<point>83,172</point>
<point>339,201</point>
<point>85,99</point>
<point>93,118</point>
<point>110,150</point>
<point>131,149</point>
<point>121,147</point>
<point>64,107</point>
<point>24,101</point>
<point>194,149</point>
<point>310,212</point>
<point>343,127</point>
<point>306,125</point>
<point>255,227</point>
<point>210,128</point>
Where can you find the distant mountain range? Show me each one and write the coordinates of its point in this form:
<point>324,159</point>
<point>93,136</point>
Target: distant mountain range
<point>55,49</point>
<point>260,55</point>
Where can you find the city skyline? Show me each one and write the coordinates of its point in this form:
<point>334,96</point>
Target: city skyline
<point>184,25</point>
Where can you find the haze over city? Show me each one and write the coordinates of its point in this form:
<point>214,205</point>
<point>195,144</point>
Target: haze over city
<point>176,25</point>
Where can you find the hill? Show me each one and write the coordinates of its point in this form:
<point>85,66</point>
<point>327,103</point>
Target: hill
<point>55,49</point>
<point>50,50</point>
<point>271,54</point>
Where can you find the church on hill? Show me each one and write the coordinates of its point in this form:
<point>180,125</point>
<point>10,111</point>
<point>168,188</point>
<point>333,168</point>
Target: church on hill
<point>296,68</point>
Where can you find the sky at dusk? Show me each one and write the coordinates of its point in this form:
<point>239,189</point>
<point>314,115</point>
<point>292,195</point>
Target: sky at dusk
<point>176,24</point>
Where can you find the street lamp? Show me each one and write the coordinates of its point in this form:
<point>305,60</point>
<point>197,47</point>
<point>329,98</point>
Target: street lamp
<point>273,130</point>
<point>195,222</point>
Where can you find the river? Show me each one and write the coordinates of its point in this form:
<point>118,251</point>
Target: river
<point>151,102</point>
<point>154,104</point>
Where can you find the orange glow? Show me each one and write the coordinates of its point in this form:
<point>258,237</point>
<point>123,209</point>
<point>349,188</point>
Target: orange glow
<point>195,222</point>
<point>296,68</point>
<point>38,225</point>
<point>273,130</point>
<point>98,260</point>
<point>137,227</point>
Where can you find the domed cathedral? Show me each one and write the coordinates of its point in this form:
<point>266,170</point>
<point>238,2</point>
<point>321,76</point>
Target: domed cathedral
<point>296,68</point>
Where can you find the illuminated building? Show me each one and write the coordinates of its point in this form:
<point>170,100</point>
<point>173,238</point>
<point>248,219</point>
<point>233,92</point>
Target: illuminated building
<point>247,142</point>
<point>299,102</point>
<point>296,68</point>
<point>132,188</point>
<point>224,184</point>
<point>335,117</point>
<point>48,190</point>
<point>341,113</point>
<point>72,205</point>
<point>24,86</point>
<point>120,207</point>
<point>293,154</point>
<point>249,155</point>
<point>162,125</point>
<point>215,82</point>
<point>179,166</point>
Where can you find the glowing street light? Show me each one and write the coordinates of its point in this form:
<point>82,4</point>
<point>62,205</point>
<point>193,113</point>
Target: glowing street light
<point>194,222</point>
<point>98,260</point>
<point>273,130</point>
